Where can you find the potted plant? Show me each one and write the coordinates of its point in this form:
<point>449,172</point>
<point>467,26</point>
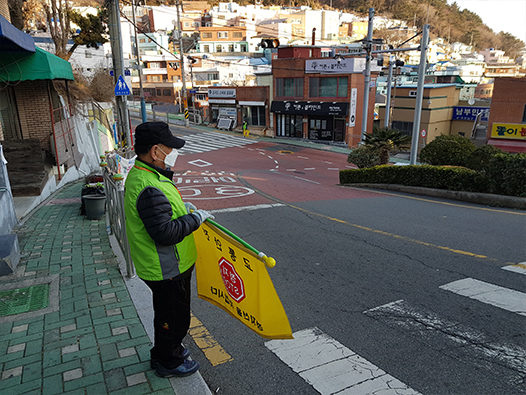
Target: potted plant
<point>93,200</point>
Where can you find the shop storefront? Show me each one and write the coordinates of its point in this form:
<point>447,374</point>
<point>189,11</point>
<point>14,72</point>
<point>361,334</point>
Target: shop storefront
<point>324,121</point>
<point>253,112</point>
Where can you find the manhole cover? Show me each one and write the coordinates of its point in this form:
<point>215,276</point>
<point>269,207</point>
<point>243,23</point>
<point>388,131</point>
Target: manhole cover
<point>22,300</point>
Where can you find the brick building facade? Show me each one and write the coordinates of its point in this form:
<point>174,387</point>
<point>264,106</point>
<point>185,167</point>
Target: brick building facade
<point>319,98</point>
<point>507,119</point>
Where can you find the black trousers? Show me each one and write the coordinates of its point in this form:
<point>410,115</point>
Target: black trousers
<point>171,306</point>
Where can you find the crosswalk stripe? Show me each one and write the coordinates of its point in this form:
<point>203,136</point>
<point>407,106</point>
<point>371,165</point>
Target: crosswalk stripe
<point>474,346</point>
<point>518,268</point>
<point>207,141</point>
<point>332,368</point>
<point>504,298</point>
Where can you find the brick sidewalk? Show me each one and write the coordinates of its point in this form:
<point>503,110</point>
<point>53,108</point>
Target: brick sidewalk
<point>89,340</point>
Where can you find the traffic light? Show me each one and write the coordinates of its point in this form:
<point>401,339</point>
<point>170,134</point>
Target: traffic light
<point>399,63</point>
<point>191,60</point>
<point>269,43</point>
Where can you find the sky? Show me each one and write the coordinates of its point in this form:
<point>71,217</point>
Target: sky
<point>500,15</point>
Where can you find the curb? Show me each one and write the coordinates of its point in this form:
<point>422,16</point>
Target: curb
<point>487,199</point>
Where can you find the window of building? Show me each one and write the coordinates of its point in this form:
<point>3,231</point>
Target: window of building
<point>149,91</point>
<point>142,40</point>
<point>88,54</point>
<point>325,54</point>
<point>322,87</point>
<point>238,34</point>
<point>167,92</point>
<point>219,48</point>
<point>154,65</point>
<point>254,115</point>
<point>212,76</point>
<point>155,78</point>
<point>289,125</point>
<point>220,17</point>
<point>289,87</point>
<point>207,35</point>
<point>206,48</point>
<point>405,127</point>
<point>187,24</point>
<point>196,24</point>
<point>524,114</point>
<point>158,92</point>
<point>222,34</point>
<point>200,97</point>
<point>243,47</point>
<point>230,47</point>
<point>176,78</point>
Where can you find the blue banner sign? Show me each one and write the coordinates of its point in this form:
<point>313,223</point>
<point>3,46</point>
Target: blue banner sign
<point>470,113</point>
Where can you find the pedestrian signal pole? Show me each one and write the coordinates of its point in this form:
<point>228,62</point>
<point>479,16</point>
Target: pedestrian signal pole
<point>181,57</point>
<point>114,25</point>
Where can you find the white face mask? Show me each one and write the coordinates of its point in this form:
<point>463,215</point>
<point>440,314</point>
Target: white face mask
<point>170,158</point>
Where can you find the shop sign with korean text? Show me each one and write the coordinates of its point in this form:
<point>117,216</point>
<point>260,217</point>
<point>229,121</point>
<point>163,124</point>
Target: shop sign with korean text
<point>516,131</point>
<point>233,278</point>
<point>470,113</point>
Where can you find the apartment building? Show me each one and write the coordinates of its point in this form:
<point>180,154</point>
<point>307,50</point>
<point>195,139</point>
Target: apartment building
<point>220,39</point>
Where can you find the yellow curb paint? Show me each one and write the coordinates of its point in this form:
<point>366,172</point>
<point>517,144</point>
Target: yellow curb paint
<point>204,340</point>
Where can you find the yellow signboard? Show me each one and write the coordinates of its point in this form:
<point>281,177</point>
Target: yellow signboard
<point>516,131</point>
<point>233,278</point>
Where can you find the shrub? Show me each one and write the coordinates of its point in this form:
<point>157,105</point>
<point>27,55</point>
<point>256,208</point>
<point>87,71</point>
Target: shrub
<point>479,159</point>
<point>364,156</point>
<point>506,174</point>
<point>450,178</point>
<point>447,150</point>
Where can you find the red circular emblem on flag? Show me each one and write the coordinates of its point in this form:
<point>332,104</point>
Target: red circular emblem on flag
<point>233,282</point>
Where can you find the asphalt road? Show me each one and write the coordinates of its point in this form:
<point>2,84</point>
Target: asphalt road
<point>423,293</point>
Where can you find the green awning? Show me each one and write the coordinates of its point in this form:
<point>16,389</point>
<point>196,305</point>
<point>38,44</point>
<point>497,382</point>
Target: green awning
<point>41,65</point>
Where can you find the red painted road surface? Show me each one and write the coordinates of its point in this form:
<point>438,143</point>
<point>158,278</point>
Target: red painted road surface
<point>249,175</point>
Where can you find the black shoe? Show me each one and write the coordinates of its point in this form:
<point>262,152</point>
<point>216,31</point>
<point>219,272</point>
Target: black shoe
<point>187,368</point>
<point>154,362</point>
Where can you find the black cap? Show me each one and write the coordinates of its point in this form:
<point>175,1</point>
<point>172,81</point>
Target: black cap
<point>151,133</point>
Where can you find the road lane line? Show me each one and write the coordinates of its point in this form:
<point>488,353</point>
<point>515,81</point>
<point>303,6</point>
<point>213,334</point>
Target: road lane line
<point>365,228</point>
<point>204,340</point>
<point>246,208</point>
<point>504,298</point>
<point>518,268</point>
<point>332,368</point>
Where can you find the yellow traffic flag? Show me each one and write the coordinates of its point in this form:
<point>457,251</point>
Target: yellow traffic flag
<point>232,277</point>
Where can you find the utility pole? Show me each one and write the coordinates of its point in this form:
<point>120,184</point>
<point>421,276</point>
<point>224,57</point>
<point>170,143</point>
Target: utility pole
<point>367,74</point>
<point>388,99</point>
<point>114,26</point>
<point>139,66</point>
<point>424,43</point>
<point>181,57</point>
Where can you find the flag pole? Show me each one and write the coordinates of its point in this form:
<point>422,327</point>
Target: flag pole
<point>269,262</point>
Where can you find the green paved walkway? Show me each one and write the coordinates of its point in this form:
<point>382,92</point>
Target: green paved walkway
<point>89,340</point>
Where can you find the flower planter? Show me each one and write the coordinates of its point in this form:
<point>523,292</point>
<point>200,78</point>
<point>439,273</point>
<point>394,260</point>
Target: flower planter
<point>95,206</point>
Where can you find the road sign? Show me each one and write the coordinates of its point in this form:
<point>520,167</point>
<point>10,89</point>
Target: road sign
<point>424,133</point>
<point>186,113</point>
<point>193,90</point>
<point>121,88</point>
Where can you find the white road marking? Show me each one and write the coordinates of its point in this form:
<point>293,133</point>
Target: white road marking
<point>332,368</point>
<point>291,169</point>
<point>310,168</point>
<point>304,179</point>
<point>246,208</point>
<point>504,298</point>
<point>333,168</point>
<point>518,268</point>
<point>475,345</point>
<point>302,157</point>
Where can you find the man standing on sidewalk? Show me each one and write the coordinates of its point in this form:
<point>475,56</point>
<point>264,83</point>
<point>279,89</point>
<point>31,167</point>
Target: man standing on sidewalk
<point>159,228</point>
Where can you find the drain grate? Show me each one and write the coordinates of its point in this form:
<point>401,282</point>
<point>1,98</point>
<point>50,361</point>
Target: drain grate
<point>22,300</point>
